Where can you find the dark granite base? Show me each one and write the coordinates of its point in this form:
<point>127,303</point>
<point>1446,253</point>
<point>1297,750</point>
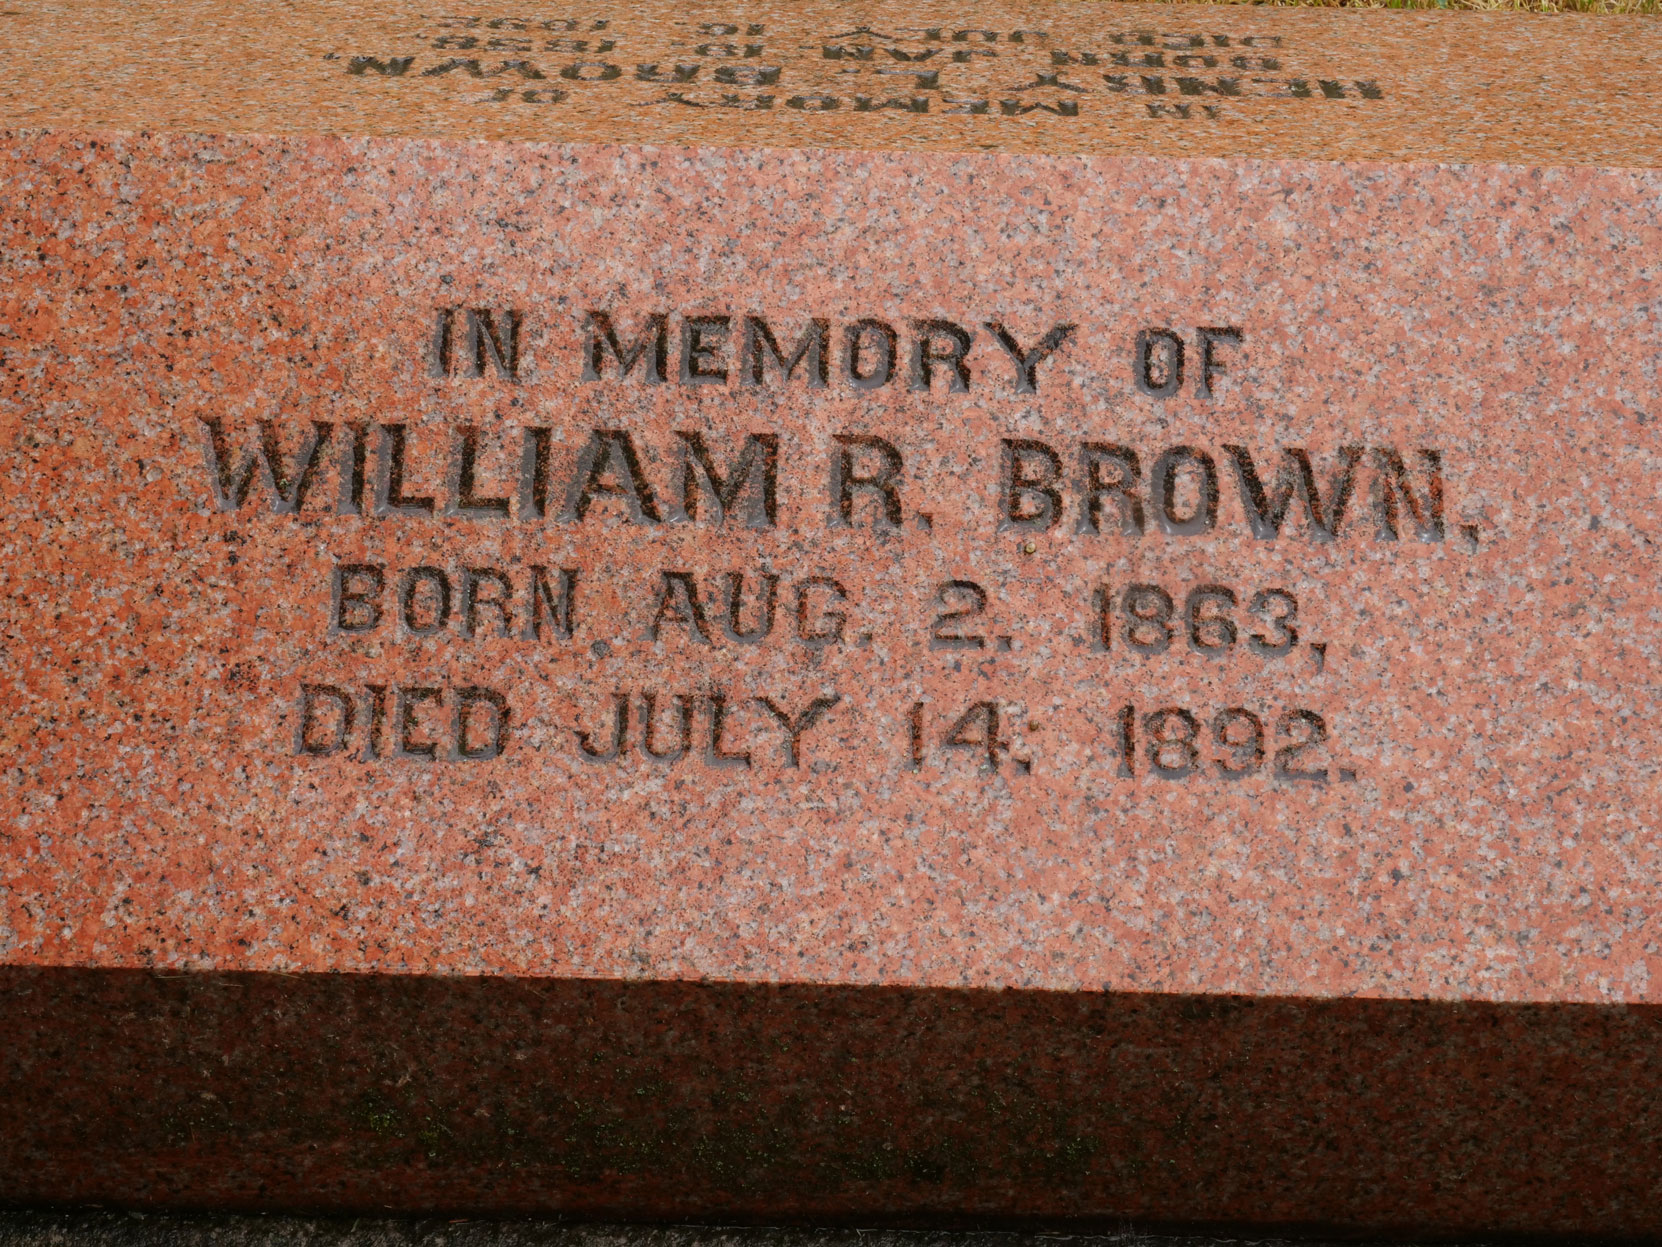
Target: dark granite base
<point>129,1229</point>
<point>351,1094</point>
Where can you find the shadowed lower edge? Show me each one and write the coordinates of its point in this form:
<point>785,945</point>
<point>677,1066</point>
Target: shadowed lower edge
<point>795,1103</point>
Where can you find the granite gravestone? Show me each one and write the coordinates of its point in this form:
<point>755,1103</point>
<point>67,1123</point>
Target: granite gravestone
<point>594,600</point>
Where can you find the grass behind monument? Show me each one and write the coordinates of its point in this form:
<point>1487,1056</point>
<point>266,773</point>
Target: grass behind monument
<point>1484,6</point>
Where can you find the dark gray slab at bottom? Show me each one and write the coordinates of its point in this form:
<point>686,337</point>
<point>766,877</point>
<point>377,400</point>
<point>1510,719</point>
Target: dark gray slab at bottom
<point>135,1230</point>
<point>732,1104</point>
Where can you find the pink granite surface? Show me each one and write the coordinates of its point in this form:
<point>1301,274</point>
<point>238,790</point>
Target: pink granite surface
<point>1486,827</point>
<point>1081,77</point>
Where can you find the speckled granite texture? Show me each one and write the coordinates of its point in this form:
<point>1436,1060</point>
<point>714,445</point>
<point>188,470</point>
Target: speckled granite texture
<point>1058,76</point>
<point>1070,499</point>
<point>1464,361</point>
<point>139,1230</point>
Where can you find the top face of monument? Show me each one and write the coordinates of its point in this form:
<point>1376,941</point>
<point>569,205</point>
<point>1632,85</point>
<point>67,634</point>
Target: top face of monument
<point>1058,76</point>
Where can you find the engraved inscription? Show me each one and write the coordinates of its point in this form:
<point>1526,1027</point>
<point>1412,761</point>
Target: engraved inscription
<point>734,607</point>
<point>1149,75</point>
